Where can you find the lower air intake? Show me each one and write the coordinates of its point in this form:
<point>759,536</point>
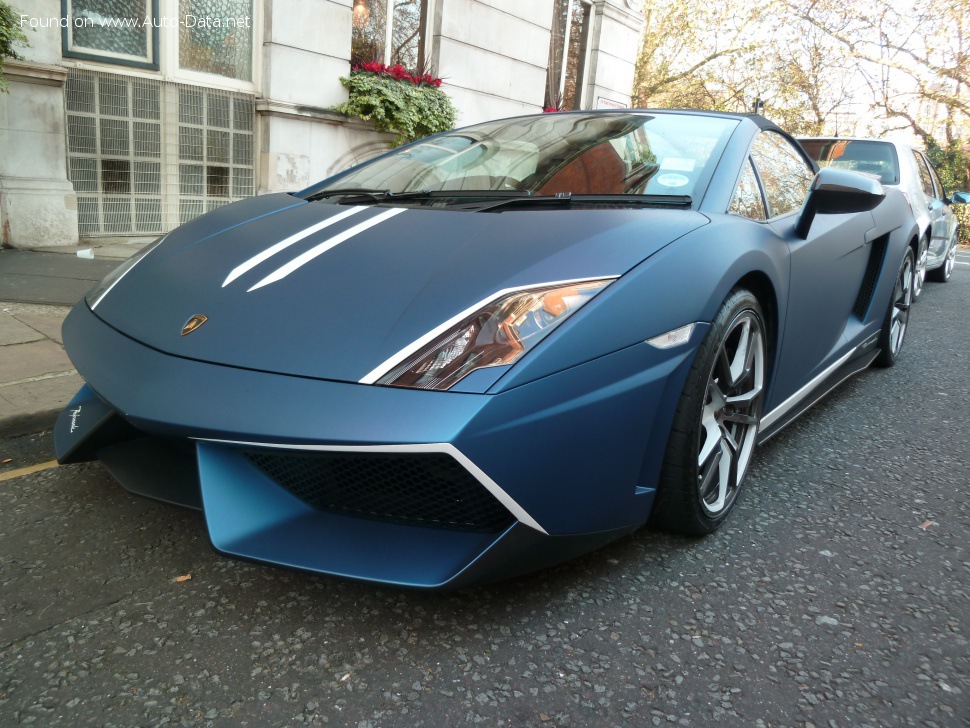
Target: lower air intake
<point>417,489</point>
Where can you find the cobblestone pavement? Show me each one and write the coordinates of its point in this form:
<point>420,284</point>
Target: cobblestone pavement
<point>836,595</point>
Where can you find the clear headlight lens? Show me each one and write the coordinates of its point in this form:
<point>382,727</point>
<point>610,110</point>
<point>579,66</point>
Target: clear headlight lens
<point>96,294</point>
<point>497,334</point>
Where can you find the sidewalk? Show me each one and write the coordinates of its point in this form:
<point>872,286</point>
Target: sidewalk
<point>37,290</point>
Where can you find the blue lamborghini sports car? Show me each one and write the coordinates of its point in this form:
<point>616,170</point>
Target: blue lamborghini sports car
<point>493,349</point>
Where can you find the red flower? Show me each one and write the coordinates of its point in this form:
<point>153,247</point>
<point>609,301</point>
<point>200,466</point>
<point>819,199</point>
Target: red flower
<point>398,73</point>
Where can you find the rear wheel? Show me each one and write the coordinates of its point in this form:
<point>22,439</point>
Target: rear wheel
<point>942,274</point>
<point>894,326</point>
<point>716,424</point>
<point>919,276</point>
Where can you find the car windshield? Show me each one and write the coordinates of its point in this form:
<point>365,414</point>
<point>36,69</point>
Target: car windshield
<point>553,154</point>
<point>877,159</point>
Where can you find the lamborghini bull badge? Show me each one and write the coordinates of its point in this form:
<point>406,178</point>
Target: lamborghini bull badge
<point>193,323</point>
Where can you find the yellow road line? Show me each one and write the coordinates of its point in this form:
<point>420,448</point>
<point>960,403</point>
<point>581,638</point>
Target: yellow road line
<point>27,471</point>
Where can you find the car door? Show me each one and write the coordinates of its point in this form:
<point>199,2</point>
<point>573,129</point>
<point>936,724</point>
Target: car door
<point>827,267</point>
<point>949,220</point>
<point>935,207</point>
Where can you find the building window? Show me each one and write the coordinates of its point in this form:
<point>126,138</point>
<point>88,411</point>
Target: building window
<point>145,156</point>
<point>567,54</point>
<point>216,36</point>
<point>400,41</point>
<point>112,31</point>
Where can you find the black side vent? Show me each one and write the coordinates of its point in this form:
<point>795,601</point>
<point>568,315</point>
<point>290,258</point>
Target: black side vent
<point>418,489</point>
<point>877,255</point>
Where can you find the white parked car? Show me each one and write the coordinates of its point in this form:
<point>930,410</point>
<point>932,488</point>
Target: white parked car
<point>897,165</point>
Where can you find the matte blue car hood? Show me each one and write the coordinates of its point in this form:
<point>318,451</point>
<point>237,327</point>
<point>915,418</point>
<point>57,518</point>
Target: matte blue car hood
<point>336,302</point>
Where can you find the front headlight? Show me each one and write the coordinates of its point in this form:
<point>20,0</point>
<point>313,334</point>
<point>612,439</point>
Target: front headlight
<point>497,333</point>
<point>96,294</point>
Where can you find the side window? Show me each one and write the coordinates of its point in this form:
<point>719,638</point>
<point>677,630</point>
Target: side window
<point>784,172</point>
<point>747,200</point>
<point>924,175</point>
<point>936,179</point>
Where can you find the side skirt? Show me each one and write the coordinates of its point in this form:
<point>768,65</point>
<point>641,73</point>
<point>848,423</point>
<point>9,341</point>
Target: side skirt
<point>791,409</point>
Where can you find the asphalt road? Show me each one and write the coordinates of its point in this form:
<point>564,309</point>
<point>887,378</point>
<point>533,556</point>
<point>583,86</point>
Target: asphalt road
<point>836,595</point>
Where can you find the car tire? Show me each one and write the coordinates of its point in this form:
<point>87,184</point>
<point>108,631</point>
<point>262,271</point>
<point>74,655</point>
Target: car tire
<point>894,325</point>
<point>715,427</point>
<point>943,273</point>
<point>919,275</point>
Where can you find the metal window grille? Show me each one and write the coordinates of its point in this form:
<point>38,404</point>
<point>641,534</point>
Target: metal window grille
<point>146,156</point>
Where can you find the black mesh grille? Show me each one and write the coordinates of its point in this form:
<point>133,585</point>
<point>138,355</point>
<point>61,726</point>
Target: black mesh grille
<point>422,489</point>
<point>877,253</point>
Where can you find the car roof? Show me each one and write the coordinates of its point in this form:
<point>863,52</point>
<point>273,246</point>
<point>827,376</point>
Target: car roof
<point>761,121</point>
<point>758,119</point>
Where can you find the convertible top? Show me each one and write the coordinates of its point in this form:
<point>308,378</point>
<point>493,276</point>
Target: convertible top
<point>758,119</point>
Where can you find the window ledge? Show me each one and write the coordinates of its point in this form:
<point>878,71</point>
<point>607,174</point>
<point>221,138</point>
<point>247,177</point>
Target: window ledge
<point>266,107</point>
<point>42,74</point>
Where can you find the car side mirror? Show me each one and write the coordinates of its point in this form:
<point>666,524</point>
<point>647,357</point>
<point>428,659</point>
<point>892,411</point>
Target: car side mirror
<point>838,191</point>
<point>960,198</point>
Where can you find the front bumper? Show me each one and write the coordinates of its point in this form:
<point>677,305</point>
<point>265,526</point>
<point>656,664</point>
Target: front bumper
<point>573,457</point>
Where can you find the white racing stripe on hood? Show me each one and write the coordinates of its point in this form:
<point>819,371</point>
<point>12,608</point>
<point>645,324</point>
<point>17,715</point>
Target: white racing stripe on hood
<point>287,242</point>
<point>318,250</point>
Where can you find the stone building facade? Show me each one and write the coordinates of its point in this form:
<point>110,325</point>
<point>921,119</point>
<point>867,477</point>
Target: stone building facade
<point>129,117</point>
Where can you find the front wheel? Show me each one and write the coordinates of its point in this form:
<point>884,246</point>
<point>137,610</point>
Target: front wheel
<point>716,424</point>
<point>894,325</point>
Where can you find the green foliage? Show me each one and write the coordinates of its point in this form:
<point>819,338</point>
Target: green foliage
<point>10,36</point>
<point>963,217</point>
<point>408,111</point>
<point>952,164</point>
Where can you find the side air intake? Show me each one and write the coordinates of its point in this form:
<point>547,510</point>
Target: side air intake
<point>877,255</point>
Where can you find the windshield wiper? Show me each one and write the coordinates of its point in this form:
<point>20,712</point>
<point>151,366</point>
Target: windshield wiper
<point>391,196</point>
<point>486,200</point>
<point>567,199</point>
<point>377,195</point>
